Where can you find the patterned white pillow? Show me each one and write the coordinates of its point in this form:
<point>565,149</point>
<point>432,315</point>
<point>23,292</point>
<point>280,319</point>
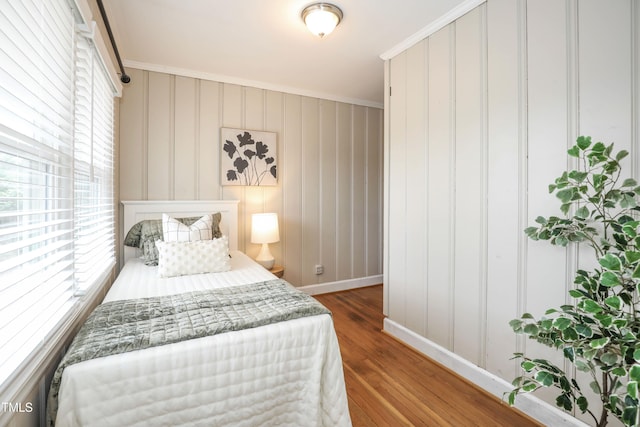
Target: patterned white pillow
<point>175,231</point>
<point>200,256</point>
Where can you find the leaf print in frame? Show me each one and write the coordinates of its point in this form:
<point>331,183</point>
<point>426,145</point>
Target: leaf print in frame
<point>248,157</point>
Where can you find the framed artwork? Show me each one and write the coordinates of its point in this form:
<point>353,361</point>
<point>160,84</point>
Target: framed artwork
<point>248,157</point>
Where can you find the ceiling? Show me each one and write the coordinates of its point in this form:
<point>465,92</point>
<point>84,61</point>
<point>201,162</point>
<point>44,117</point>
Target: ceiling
<point>264,43</point>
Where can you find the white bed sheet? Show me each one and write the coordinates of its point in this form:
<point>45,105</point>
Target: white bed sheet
<point>137,280</point>
<point>287,374</point>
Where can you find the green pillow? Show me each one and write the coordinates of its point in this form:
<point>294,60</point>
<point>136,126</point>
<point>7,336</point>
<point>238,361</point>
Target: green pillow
<point>144,234</point>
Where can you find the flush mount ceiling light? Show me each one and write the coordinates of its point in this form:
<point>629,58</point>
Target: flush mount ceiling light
<point>321,18</point>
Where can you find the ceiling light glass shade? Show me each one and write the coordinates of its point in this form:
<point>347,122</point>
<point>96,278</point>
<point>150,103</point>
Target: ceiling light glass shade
<point>321,18</point>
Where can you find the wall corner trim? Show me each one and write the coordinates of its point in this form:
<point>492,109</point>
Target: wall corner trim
<point>434,26</point>
<point>527,403</point>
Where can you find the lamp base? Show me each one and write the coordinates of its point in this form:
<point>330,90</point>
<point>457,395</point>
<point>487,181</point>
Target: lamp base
<point>265,258</point>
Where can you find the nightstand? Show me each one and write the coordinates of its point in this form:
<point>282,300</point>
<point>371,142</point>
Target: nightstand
<point>277,271</point>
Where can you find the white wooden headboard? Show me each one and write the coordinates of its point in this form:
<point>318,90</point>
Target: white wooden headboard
<point>138,210</point>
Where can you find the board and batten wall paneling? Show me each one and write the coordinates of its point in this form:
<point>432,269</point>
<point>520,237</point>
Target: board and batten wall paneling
<point>329,192</point>
<point>374,181</point>
<point>399,234</point>
<point>440,191</point>
<point>344,190</point>
<point>470,178</point>
<point>480,116</point>
<point>415,161</point>
<point>310,187</point>
<point>507,139</point>
<point>328,186</point>
<point>358,207</point>
<point>552,127</point>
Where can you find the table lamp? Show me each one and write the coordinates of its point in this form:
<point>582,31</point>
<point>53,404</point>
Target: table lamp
<point>264,230</point>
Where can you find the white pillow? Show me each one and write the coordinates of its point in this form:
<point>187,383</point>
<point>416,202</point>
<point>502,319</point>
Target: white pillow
<point>175,231</point>
<point>200,256</point>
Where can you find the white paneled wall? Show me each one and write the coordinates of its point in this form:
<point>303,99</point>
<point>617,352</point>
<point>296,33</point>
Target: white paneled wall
<point>480,116</point>
<point>329,192</point>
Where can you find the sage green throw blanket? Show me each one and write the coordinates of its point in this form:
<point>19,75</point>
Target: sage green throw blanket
<point>128,325</point>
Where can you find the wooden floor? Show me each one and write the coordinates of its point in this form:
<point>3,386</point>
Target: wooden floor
<point>389,384</point>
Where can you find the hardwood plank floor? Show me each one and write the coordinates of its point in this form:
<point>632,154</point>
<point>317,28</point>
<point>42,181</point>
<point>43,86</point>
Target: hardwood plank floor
<point>390,384</point>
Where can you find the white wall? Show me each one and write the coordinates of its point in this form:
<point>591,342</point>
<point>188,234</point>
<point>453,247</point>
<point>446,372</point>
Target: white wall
<point>329,192</point>
<point>480,118</point>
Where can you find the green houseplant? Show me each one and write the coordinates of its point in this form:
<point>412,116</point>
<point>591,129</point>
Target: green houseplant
<point>600,332</point>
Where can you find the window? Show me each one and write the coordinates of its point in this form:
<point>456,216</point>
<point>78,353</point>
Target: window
<point>56,173</point>
<point>93,167</point>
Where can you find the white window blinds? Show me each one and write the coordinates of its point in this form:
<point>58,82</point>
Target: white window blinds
<point>56,173</point>
<point>93,167</point>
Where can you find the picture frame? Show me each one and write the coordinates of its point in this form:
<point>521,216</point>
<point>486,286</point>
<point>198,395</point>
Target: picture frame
<point>248,157</point>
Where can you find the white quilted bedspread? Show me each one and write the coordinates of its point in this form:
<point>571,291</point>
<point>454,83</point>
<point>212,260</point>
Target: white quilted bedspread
<point>285,374</point>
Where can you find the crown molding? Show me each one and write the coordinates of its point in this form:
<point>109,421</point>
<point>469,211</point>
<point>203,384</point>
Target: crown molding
<point>436,25</point>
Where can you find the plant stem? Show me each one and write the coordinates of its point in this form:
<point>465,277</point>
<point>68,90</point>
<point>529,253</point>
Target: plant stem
<point>605,398</point>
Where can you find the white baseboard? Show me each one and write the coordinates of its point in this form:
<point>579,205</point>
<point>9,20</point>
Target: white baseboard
<point>532,406</point>
<point>341,285</point>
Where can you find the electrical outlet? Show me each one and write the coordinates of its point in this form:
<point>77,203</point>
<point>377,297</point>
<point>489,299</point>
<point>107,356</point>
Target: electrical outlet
<point>319,269</point>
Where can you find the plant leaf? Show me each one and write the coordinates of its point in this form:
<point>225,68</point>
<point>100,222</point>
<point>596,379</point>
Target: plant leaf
<point>614,302</point>
<point>621,155</point>
<point>619,372</point>
<point>545,378</point>
<point>563,401</point>
<point>582,366</point>
<point>599,343</point>
<point>578,176</point>
<point>569,353</point>
<point>591,306</point>
<point>582,213</point>
<point>598,180</point>
<point>565,195</point>
<point>570,334</point>
<point>628,202</point>
<point>583,404</point>
<point>632,389</point>
<point>574,151</point>
<point>531,232</point>
<point>584,330</point>
<point>583,142</point>
<point>561,323</point>
<point>632,256</point>
<point>609,359</point>
<point>516,324</point>
<point>598,147</point>
<point>609,279</point>
<point>630,415</point>
<point>610,262</point>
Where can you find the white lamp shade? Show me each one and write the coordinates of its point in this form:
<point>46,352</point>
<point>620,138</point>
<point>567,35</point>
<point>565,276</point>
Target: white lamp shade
<point>264,228</point>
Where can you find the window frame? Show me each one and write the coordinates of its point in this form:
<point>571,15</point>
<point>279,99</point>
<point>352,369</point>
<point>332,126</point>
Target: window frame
<point>34,367</point>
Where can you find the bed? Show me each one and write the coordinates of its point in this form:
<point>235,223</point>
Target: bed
<point>287,372</point>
